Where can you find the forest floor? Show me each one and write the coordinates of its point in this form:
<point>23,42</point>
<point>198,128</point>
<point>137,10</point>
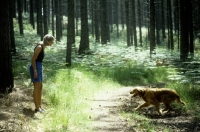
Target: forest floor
<point>16,110</point>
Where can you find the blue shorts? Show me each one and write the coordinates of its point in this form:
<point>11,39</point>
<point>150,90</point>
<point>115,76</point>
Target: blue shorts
<point>39,72</point>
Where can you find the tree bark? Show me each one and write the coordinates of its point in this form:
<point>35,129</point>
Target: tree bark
<point>70,31</point>
<point>152,27</point>
<point>6,75</point>
<point>84,43</point>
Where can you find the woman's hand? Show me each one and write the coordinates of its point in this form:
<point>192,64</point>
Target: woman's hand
<point>35,75</point>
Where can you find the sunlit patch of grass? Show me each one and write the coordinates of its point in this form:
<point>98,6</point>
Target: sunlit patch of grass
<point>67,94</point>
<point>132,74</point>
<point>189,94</point>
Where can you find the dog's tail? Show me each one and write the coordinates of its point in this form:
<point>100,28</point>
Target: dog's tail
<point>180,101</point>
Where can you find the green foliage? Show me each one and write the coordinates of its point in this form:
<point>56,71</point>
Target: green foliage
<point>189,94</point>
<point>129,74</point>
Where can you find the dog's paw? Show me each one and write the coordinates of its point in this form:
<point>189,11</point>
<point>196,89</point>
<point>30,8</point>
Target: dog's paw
<point>136,109</point>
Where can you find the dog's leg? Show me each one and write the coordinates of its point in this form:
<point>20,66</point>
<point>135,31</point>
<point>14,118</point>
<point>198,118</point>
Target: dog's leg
<point>167,107</point>
<point>157,105</point>
<point>142,106</point>
<point>180,101</point>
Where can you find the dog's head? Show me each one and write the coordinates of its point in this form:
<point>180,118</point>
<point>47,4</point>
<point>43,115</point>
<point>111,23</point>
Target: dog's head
<point>138,92</point>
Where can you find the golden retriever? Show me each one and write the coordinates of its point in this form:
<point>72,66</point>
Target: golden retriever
<point>155,96</point>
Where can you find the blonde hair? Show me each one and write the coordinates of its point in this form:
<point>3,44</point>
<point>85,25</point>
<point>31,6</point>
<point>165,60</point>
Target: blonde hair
<point>47,38</point>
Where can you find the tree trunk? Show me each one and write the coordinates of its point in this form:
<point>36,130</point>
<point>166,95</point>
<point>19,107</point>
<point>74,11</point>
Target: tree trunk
<point>45,20</point>
<point>39,19</point>
<point>170,36</point>
<point>104,22</point>
<point>117,17</point>
<point>176,21</point>
<point>52,17</point>
<point>96,19</point>
<point>84,43</point>
<point>6,75</point>
<point>32,22</point>
<point>122,13</point>
<point>184,45</point>
<point>12,36</point>
<point>139,23</point>
<point>158,15</point>
<point>58,28</point>
<point>127,23</point>
<point>190,24</point>
<point>77,15</point>
<point>152,27</point>
<point>21,30</point>
<point>134,23</point>
<point>70,31</point>
<point>163,19</point>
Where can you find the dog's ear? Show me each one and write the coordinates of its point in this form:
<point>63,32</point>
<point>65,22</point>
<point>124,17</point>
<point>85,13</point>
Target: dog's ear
<point>141,92</point>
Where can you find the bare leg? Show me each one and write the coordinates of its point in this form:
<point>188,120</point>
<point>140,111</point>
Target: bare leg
<point>35,94</point>
<point>40,95</point>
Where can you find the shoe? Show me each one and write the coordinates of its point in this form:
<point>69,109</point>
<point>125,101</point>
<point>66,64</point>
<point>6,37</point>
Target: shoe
<point>42,110</point>
<point>39,110</point>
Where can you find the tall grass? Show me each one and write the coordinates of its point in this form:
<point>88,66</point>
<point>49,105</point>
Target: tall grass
<point>68,93</point>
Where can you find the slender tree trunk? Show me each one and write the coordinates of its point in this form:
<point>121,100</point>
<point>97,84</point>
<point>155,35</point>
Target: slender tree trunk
<point>52,17</point>
<point>190,23</point>
<point>122,13</point>
<point>92,17</point>
<point>139,23</point>
<point>21,30</point>
<point>77,15</point>
<point>104,22</point>
<point>12,36</point>
<point>58,28</point>
<point>96,18</point>
<point>184,45</point>
<point>163,19</point>
<point>176,21</point>
<point>70,31</point>
<point>117,17</point>
<point>45,20</point>
<point>134,23</point>
<point>14,8</point>
<point>39,19</point>
<point>61,18</point>
<point>127,23</point>
<point>158,15</point>
<point>32,22</point>
<point>84,43</point>
<point>170,37</point>
<point>152,27</point>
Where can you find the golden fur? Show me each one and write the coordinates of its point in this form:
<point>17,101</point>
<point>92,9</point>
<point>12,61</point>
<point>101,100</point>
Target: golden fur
<point>155,96</point>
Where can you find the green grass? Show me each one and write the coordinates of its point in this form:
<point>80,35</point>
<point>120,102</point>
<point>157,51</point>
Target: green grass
<point>67,93</point>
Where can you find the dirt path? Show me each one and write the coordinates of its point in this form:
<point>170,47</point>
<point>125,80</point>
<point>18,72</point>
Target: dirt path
<point>106,111</point>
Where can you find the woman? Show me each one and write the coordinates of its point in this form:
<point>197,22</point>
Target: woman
<point>36,70</point>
